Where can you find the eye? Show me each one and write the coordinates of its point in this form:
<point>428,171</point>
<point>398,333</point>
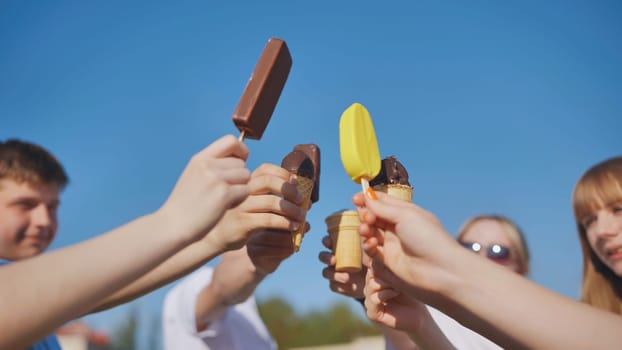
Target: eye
<point>616,208</point>
<point>25,204</point>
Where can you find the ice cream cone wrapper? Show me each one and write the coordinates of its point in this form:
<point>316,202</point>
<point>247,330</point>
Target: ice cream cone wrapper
<point>304,186</point>
<point>404,192</point>
<point>343,229</point>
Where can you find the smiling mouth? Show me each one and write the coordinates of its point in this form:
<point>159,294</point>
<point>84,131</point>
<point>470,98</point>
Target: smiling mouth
<point>615,252</point>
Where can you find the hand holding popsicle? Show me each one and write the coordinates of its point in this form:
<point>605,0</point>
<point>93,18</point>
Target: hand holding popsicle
<point>358,146</point>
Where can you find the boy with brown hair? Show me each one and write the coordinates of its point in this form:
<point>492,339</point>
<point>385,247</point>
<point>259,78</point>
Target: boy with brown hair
<point>47,290</point>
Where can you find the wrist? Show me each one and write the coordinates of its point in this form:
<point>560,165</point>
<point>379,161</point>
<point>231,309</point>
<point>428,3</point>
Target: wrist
<point>162,225</point>
<point>172,225</point>
<point>257,273</point>
<point>235,278</point>
<point>211,239</point>
<point>452,286</point>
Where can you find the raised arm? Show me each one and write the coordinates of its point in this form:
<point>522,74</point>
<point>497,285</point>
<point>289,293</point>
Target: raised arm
<point>62,285</point>
<point>239,272</point>
<point>274,203</point>
<point>508,309</point>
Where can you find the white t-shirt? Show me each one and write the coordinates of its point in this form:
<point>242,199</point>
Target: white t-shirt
<point>240,327</point>
<point>460,336</point>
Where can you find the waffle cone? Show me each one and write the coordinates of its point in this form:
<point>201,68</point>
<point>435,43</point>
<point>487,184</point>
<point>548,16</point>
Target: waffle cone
<point>343,229</point>
<point>404,192</point>
<point>304,186</point>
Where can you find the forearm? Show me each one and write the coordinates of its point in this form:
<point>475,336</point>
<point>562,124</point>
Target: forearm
<point>234,280</point>
<point>179,265</point>
<point>517,313</point>
<point>62,285</point>
<point>397,340</point>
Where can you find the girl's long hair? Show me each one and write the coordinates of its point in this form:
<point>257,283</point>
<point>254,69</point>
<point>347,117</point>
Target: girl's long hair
<point>600,186</point>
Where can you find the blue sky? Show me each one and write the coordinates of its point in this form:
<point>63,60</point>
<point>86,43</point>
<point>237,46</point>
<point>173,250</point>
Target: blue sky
<point>492,107</point>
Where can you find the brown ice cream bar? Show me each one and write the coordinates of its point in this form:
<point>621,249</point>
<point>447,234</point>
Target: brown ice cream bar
<point>297,162</point>
<point>313,152</point>
<point>263,89</point>
<point>392,172</point>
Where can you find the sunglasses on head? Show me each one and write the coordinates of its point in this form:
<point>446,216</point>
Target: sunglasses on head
<point>493,251</point>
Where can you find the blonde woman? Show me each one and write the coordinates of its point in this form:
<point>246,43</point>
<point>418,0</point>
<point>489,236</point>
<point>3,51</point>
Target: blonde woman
<point>497,238</point>
<point>411,250</point>
<point>597,204</point>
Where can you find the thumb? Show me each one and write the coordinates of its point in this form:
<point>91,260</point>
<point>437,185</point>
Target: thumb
<point>226,146</point>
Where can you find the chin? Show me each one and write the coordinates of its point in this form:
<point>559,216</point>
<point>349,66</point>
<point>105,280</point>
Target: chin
<point>615,267</point>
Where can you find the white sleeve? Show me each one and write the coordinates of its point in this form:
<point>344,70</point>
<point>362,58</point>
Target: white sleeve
<point>238,328</point>
<point>461,337</point>
<point>178,319</point>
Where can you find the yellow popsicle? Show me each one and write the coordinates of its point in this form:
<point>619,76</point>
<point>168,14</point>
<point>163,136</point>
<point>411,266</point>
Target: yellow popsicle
<point>358,145</point>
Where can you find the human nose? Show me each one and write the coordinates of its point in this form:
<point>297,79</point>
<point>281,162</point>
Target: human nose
<point>42,216</point>
<point>607,225</point>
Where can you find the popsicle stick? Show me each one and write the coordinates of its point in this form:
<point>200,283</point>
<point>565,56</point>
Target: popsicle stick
<point>242,134</point>
<point>367,190</point>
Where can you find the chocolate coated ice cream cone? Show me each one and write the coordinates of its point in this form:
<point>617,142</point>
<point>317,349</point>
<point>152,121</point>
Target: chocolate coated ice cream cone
<point>404,192</point>
<point>305,187</point>
<point>393,180</point>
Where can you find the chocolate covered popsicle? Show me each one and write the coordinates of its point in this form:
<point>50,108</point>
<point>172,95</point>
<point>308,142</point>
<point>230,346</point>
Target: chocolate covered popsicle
<point>393,179</point>
<point>302,167</point>
<point>262,92</point>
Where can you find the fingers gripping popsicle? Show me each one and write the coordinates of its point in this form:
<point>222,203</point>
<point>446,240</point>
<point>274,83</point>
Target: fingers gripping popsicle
<point>343,225</point>
<point>358,146</point>
<point>262,92</point>
<point>304,163</point>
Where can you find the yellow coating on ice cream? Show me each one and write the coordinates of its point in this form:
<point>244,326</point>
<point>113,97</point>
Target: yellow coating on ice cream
<point>358,145</point>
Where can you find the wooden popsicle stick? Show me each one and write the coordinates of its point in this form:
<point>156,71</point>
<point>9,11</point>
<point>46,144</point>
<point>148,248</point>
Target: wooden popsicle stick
<point>242,134</point>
